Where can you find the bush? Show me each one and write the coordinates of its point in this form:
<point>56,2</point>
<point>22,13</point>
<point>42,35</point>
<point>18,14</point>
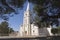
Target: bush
<point>54,30</point>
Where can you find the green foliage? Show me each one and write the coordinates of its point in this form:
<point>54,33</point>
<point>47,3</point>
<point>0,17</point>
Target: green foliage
<point>55,3</point>
<point>38,21</point>
<point>39,2</point>
<point>4,29</point>
<point>49,10</point>
<point>11,30</point>
<point>54,30</point>
<point>58,29</point>
<point>38,10</point>
<point>9,6</point>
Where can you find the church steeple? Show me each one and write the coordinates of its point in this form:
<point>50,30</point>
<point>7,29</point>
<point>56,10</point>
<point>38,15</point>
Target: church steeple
<point>27,29</point>
<point>26,21</point>
<point>28,7</point>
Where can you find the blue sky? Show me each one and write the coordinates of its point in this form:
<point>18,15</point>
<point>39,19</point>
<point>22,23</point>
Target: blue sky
<point>17,20</point>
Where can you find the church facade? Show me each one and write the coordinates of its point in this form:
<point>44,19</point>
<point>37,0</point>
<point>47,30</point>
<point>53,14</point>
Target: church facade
<point>28,28</point>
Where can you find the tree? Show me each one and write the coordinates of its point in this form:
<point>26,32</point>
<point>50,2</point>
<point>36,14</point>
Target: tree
<point>58,29</point>
<point>11,30</point>
<point>48,10</point>
<point>38,21</point>
<point>4,29</point>
<point>54,31</point>
<point>8,7</point>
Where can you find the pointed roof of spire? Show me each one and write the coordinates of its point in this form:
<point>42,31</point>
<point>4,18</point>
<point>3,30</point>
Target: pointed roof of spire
<point>28,6</point>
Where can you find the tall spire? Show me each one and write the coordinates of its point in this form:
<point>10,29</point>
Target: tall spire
<point>28,6</point>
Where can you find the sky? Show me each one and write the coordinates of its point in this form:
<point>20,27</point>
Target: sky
<point>17,20</point>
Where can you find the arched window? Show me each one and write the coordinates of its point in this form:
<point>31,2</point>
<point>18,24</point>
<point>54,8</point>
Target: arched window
<point>25,32</point>
<point>33,31</point>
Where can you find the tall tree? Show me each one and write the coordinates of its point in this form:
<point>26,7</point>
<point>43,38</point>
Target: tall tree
<point>9,6</point>
<point>48,10</point>
<point>54,31</point>
<point>5,29</point>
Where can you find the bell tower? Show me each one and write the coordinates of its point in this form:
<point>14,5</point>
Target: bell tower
<point>27,21</point>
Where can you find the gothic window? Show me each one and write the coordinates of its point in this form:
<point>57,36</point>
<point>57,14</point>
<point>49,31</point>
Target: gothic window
<point>26,14</point>
<point>25,32</point>
<point>33,31</point>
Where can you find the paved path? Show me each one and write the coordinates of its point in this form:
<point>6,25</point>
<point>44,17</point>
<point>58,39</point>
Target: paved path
<point>39,38</point>
<point>19,37</point>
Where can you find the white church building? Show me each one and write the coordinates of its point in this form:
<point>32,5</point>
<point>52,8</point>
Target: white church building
<point>28,28</point>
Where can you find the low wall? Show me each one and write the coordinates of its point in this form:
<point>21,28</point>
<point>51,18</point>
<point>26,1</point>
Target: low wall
<point>36,38</point>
